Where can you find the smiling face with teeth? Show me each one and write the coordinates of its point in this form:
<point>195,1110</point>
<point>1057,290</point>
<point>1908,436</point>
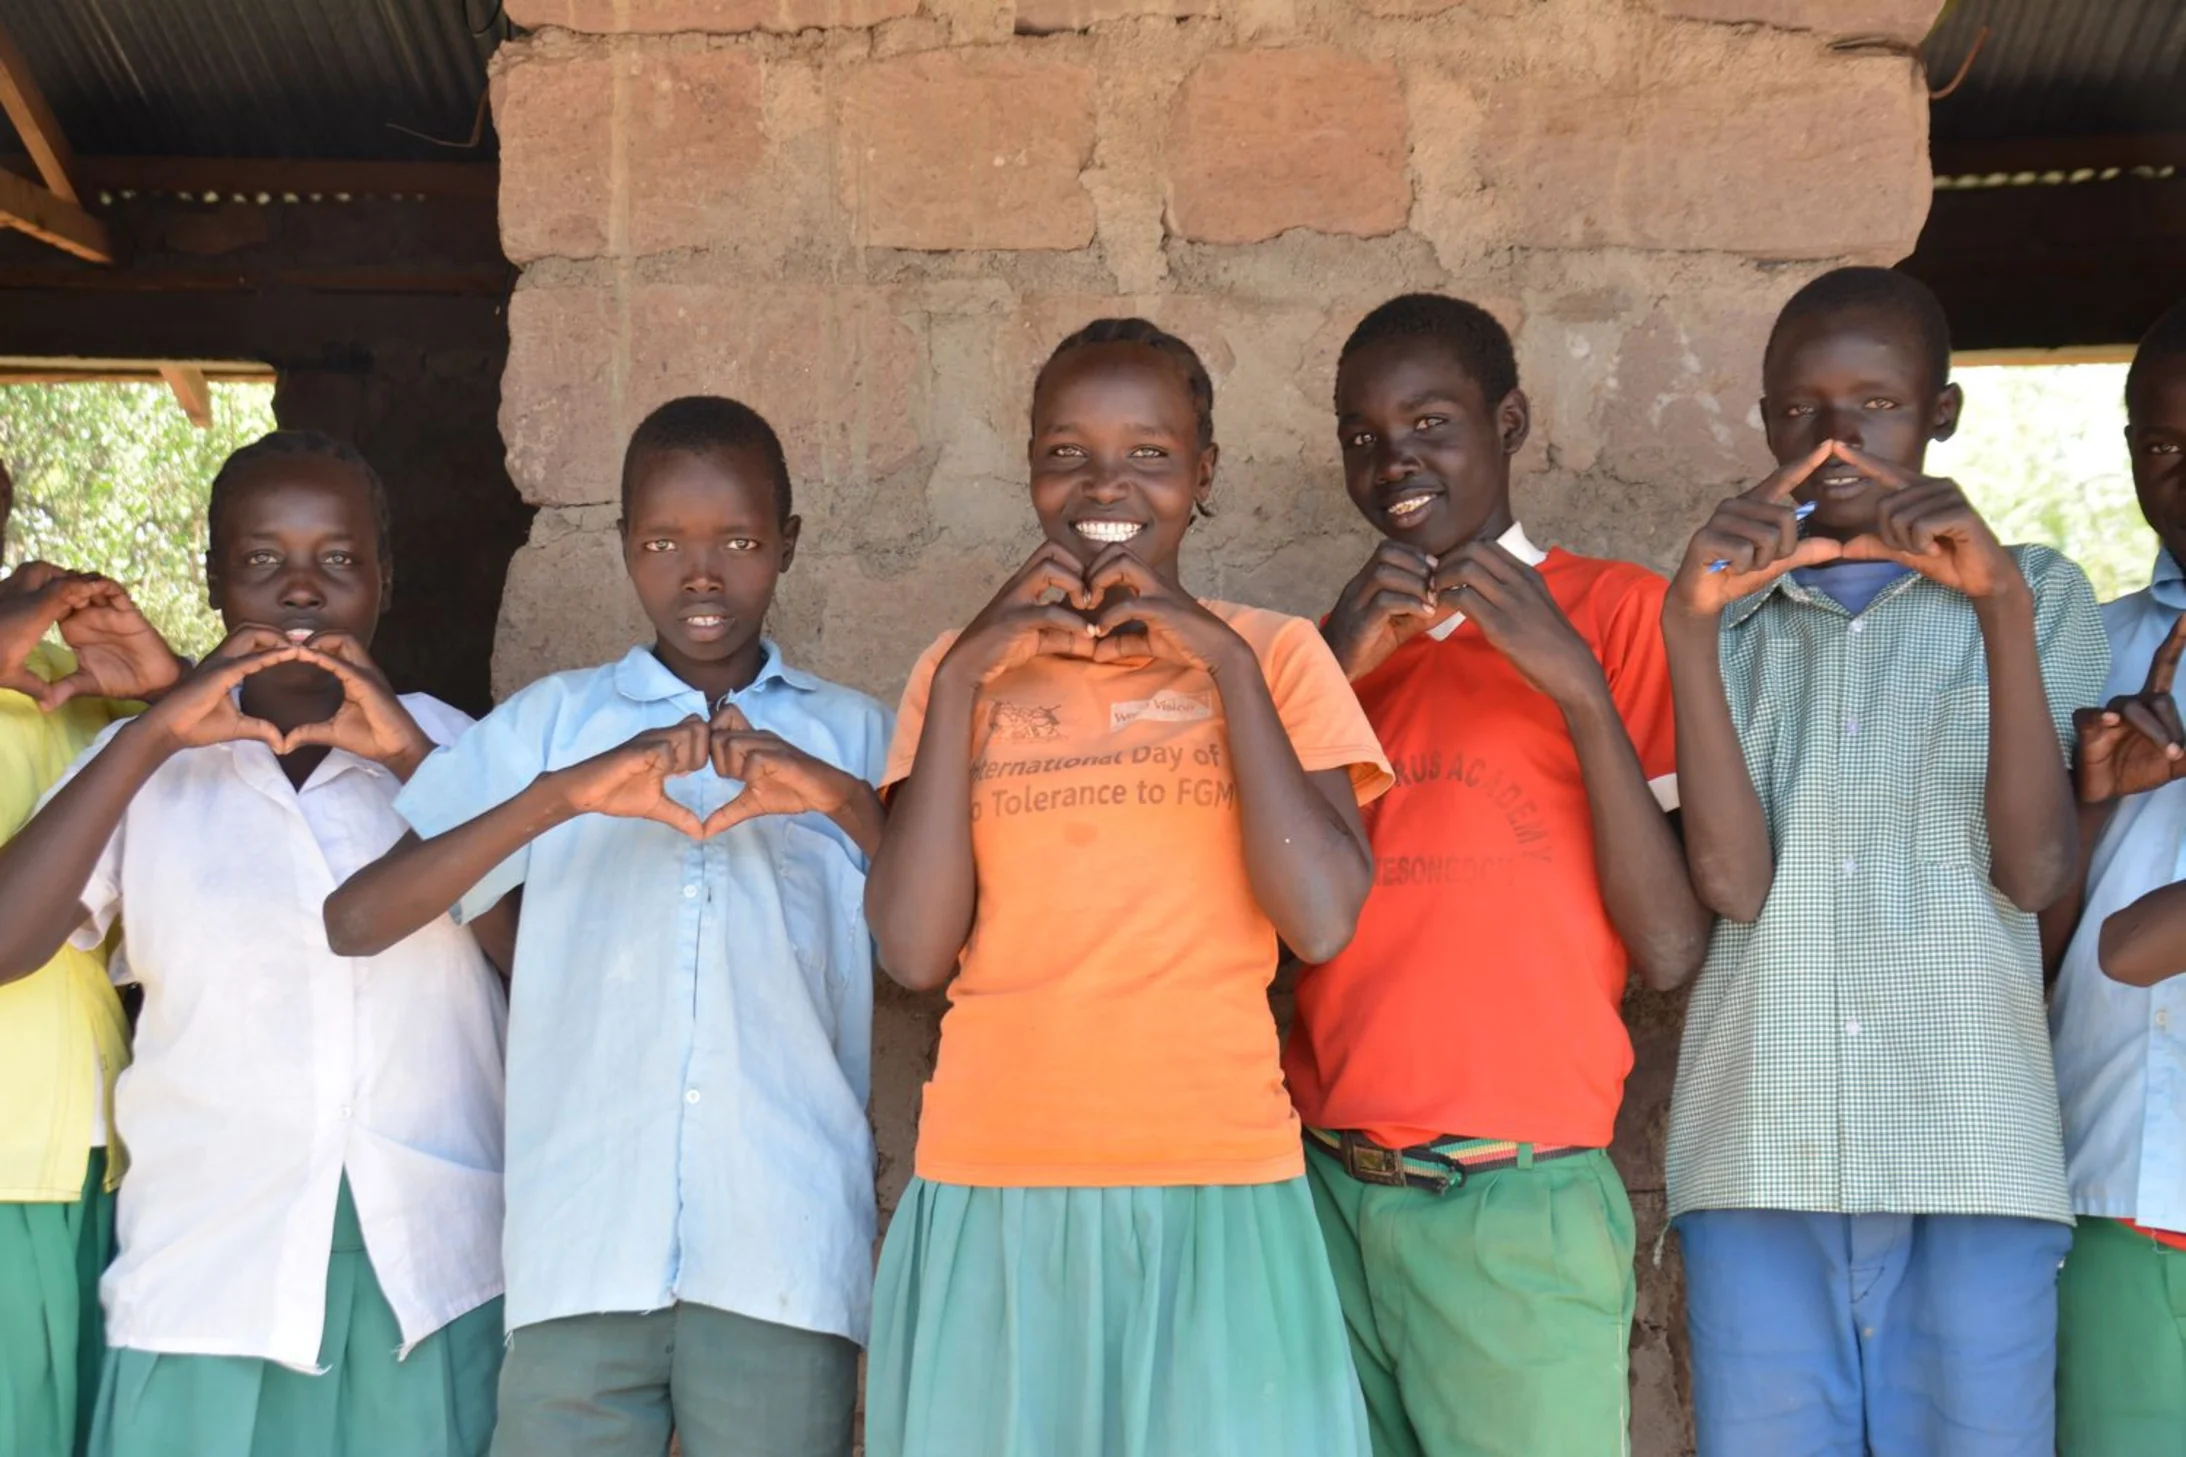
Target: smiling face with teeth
<point>1426,457</point>
<point>704,544</point>
<point>1860,376</point>
<point>1116,454</point>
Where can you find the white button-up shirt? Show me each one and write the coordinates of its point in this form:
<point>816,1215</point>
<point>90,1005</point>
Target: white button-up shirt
<point>691,1035</point>
<point>2120,1050</point>
<point>266,1065</point>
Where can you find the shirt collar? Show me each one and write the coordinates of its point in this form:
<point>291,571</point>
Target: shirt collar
<point>1746,606</point>
<point>2167,585</point>
<point>644,678</point>
<point>1518,544</point>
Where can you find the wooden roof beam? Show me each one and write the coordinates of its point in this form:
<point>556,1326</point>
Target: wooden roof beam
<point>191,392</point>
<point>29,208</point>
<point>26,106</point>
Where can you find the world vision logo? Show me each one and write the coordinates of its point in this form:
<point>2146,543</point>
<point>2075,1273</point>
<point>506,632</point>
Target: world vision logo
<point>1027,723</point>
<point>1161,708</point>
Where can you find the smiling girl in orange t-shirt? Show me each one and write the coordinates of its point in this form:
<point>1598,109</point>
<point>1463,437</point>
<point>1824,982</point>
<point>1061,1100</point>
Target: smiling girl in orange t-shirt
<point>1112,802</point>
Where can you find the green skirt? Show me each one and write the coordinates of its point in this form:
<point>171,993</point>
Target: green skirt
<point>1134,1322</point>
<point>51,1346</point>
<point>438,1402</point>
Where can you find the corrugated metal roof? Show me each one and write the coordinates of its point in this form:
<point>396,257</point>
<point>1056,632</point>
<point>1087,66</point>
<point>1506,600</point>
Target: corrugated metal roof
<point>2060,68</point>
<point>260,78</point>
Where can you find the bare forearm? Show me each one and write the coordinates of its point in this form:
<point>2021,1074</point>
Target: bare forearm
<point>2062,918</point>
<point>861,816</point>
<point>415,883</point>
<point>921,890</point>
<point>2033,826</point>
<point>1309,870</point>
<point>1641,866</point>
<point>2146,942</point>
<point>44,869</point>
<point>1726,835</point>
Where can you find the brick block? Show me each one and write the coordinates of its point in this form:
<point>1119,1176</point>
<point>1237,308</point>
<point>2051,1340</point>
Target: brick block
<point>1904,21</point>
<point>682,133</point>
<point>623,17</point>
<point>1047,17</point>
<point>1264,141</point>
<point>1765,174</point>
<point>567,603</point>
<point>556,155</point>
<point>979,149</point>
<point>559,413</point>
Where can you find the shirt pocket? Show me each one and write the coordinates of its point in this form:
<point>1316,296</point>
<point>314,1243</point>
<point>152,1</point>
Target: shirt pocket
<point>823,891</point>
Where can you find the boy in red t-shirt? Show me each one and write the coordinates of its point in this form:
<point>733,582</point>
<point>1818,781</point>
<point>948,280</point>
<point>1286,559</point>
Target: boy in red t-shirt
<point>1458,1067</point>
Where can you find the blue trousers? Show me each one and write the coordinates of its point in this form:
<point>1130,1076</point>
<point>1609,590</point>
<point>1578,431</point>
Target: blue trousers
<point>1896,1335</point>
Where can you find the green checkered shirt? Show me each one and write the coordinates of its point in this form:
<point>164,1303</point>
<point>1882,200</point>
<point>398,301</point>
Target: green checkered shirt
<point>1876,1042</point>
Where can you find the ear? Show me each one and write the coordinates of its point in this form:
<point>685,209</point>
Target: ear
<point>1203,481</point>
<point>1514,421</point>
<point>1768,426</point>
<point>1944,423</point>
<point>791,530</point>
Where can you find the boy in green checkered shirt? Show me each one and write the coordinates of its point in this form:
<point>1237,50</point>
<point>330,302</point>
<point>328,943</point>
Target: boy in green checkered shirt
<point>1873,698</point>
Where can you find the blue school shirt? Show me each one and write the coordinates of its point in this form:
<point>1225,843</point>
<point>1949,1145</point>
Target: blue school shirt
<point>690,1023</point>
<point>2121,1051</point>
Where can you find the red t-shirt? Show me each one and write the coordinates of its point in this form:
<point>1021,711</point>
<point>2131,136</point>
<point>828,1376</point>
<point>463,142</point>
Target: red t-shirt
<point>1482,996</point>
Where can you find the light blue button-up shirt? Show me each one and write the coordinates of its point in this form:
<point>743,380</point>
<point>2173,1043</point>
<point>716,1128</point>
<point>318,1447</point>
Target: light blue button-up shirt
<point>2120,1050</point>
<point>690,1024</point>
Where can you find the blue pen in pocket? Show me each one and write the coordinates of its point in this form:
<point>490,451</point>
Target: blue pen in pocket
<point>1800,513</point>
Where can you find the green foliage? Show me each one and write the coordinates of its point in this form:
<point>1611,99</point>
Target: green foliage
<point>2041,452</point>
<point>112,478</point>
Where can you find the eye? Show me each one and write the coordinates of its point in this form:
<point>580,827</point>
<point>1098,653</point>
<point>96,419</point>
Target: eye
<point>261,558</point>
<point>658,543</point>
<point>1068,452</point>
<point>1430,422</point>
<point>1149,452</point>
<point>1358,440</point>
<point>2163,447</point>
<point>1797,412</point>
<point>1880,403</point>
<point>742,543</point>
<point>340,559</point>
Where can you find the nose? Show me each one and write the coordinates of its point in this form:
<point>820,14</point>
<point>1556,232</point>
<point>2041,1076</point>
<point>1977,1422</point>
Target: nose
<point>1844,424</point>
<point>703,570</point>
<point>301,587</point>
<point>1393,463</point>
<point>1105,486</point>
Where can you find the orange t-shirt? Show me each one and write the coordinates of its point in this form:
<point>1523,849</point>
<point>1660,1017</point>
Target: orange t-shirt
<point>1482,995</point>
<point>1109,1021</point>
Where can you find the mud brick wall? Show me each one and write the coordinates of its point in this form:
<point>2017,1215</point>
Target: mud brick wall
<point>872,218</point>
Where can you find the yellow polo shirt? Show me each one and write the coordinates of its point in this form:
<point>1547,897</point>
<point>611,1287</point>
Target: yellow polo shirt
<point>53,1021</point>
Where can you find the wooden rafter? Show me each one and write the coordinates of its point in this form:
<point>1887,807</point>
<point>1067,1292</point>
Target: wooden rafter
<point>29,208</point>
<point>50,213</point>
<point>191,392</point>
<point>26,106</point>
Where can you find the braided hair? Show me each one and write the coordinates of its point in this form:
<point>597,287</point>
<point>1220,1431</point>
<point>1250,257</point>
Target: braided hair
<point>1152,336</point>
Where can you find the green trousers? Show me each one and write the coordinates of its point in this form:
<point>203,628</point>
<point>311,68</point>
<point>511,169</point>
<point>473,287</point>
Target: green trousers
<point>436,1402</point>
<point>616,1384</point>
<point>1494,1320</point>
<point>51,1345</point>
<point>2121,1345</point>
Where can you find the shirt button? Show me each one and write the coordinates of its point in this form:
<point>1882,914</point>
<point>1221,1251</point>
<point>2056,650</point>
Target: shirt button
<point>1851,1026</point>
<point>2163,1020</point>
<point>690,892</point>
<point>690,1095</point>
<point>1852,727</point>
<point>1857,626</point>
<point>343,1110</point>
<point>1850,867</point>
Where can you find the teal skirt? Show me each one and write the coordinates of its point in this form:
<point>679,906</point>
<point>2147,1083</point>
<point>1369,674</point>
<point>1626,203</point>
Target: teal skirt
<point>438,1402</point>
<point>1139,1322</point>
<point>51,1257</point>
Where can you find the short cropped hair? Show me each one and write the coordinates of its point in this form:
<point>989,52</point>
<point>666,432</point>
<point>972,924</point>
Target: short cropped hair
<point>701,425</point>
<point>1875,290</point>
<point>2164,343</point>
<point>1142,331</point>
<point>288,444</point>
<point>1478,341</point>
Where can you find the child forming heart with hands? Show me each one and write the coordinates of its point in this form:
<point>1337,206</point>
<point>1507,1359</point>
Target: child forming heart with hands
<point>118,654</point>
<point>631,779</point>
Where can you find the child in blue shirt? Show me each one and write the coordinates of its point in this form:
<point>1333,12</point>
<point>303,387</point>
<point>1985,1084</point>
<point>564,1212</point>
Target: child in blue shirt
<point>690,1186</point>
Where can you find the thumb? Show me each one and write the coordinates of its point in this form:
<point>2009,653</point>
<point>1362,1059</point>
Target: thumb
<point>745,806</point>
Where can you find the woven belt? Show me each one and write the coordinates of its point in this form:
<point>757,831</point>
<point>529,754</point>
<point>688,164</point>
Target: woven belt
<point>1435,1167</point>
